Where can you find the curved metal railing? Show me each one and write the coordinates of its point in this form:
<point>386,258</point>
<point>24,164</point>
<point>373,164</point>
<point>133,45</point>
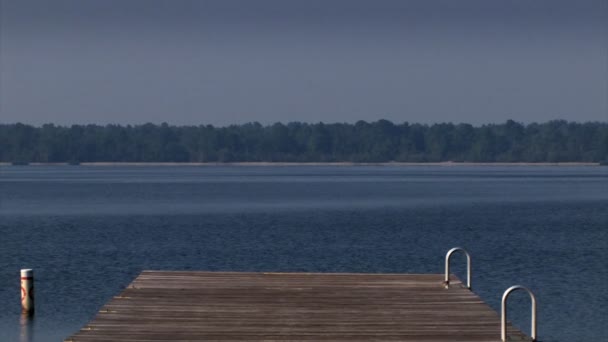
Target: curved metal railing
<point>503,312</point>
<point>447,266</point>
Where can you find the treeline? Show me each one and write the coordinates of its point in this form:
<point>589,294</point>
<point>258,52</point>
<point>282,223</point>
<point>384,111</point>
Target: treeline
<point>380,141</point>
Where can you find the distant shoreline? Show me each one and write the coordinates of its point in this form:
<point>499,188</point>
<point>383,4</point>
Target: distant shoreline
<point>447,164</point>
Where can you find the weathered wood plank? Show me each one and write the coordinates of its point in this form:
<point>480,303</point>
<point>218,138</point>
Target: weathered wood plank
<point>230,306</point>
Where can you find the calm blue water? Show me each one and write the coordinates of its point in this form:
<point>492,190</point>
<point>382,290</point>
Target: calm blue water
<point>88,231</point>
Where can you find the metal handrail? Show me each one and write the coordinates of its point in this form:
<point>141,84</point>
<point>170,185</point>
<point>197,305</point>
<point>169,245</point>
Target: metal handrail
<point>503,312</point>
<point>447,266</point>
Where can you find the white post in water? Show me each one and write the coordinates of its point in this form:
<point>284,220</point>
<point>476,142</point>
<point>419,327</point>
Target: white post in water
<point>27,291</point>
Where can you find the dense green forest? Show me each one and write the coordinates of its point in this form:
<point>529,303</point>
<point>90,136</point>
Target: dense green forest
<point>380,141</point>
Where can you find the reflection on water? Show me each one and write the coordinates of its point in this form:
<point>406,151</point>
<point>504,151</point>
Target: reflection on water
<point>27,327</point>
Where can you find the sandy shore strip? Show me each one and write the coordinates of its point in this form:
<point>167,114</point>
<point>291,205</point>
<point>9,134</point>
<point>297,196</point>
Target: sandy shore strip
<point>448,163</point>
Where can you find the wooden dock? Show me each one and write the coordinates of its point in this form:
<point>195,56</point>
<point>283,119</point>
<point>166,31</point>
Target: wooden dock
<point>221,306</point>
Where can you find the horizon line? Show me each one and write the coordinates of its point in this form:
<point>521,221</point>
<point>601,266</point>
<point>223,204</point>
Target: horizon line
<point>286,123</point>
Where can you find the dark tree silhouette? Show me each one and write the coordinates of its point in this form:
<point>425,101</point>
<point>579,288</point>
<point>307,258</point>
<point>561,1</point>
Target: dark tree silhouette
<point>380,141</point>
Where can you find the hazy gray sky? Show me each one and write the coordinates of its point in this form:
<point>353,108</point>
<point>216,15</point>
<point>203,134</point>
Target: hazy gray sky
<point>234,61</point>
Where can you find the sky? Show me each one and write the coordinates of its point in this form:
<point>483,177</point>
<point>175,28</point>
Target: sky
<point>191,62</point>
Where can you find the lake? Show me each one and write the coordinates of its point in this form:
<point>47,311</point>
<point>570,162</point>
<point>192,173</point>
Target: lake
<point>87,231</point>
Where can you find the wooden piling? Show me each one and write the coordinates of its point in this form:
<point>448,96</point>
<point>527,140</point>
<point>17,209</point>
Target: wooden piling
<point>27,291</point>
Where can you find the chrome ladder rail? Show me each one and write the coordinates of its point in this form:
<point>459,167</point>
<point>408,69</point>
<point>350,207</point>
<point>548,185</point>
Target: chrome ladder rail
<point>447,266</point>
<point>503,312</point>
